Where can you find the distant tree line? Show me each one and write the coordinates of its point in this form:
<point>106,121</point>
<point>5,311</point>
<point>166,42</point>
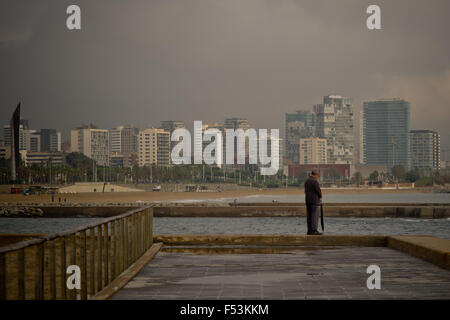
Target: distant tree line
<point>398,173</point>
<point>79,168</point>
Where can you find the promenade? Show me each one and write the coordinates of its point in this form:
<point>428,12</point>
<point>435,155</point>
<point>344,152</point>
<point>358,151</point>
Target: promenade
<point>199,272</point>
<point>121,258</point>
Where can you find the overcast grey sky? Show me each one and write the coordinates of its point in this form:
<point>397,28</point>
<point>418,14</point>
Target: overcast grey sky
<point>139,62</point>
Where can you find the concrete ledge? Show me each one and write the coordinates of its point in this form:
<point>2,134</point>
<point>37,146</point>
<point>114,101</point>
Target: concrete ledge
<point>10,238</point>
<point>335,210</point>
<point>302,240</point>
<point>432,249</point>
<point>70,211</point>
<point>361,210</point>
<point>338,204</point>
<point>119,282</point>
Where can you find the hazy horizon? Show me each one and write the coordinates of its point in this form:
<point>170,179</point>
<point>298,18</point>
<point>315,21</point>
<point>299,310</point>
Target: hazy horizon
<point>140,62</point>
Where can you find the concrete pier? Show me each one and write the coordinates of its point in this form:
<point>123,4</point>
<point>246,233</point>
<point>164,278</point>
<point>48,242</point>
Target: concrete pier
<point>294,273</point>
<point>122,259</point>
<point>292,267</point>
<point>362,210</point>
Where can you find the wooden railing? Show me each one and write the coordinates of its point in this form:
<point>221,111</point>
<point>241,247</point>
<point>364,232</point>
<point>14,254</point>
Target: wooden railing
<point>36,269</point>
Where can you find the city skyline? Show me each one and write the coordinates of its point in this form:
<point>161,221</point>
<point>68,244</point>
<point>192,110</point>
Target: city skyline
<point>302,124</point>
<point>195,65</point>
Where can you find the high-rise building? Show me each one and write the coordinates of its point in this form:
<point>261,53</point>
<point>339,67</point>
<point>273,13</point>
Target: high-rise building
<point>425,149</point>
<point>24,125</point>
<point>171,125</point>
<point>32,141</point>
<point>128,139</point>
<point>46,159</point>
<point>7,135</point>
<point>235,124</point>
<point>300,124</point>
<point>313,151</point>
<point>204,143</point>
<point>116,160</point>
<point>92,142</point>
<point>50,140</point>
<point>153,147</point>
<point>361,138</point>
<point>385,127</point>
<point>334,122</point>
<point>65,146</point>
<point>124,142</point>
<point>5,152</point>
<point>23,131</point>
<point>115,141</point>
<point>267,141</point>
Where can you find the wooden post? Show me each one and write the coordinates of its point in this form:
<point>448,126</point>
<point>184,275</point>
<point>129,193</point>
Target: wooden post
<point>52,269</point>
<point>106,230</point>
<point>83,266</point>
<point>141,247</point>
<point>100,260</point>
<point>136,236</point>
<point>130,240</point>
<point>150,220</point>
<point>141,231</point>
<point>2,277</point>
<point>92,261</point>
<point>135,233</point>
<point>122,245</point>
<point>145,229</point>
<point>126,247</point>
<point>39,272</point>
<point>148,230</point>
<point>74,262</point>
<point>113,249</point>
<point>144,226</point>
<point>21,274</point>
<point>63,273</point>
<point>144,242</point>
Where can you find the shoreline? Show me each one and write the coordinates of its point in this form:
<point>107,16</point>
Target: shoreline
<point>144,196</point>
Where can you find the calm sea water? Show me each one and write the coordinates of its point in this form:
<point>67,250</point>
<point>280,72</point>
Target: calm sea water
<point>42,225</point>
<point>257,225</point>
<point>412,197</point>
<point>269,225</point>
<point>297,225</point>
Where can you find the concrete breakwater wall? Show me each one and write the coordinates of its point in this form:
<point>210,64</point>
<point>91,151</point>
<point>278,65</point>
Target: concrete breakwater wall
<point>362,211</point>
<point>258,210</point>
<point>64,211</point>
<point>355,204</point>
<point>432,249</point>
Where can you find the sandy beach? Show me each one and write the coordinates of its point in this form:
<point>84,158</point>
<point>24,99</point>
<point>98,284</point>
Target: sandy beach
<point>129,197</point>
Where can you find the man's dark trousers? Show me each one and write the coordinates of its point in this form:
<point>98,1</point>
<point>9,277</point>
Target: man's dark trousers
<point>312,217</point>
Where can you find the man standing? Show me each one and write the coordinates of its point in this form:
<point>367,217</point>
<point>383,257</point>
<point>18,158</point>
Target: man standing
<point>313,197</point>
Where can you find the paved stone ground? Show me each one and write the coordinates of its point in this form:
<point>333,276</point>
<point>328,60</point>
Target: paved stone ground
<point>329,273</point>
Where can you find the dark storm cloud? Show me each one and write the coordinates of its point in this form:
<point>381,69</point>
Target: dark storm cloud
<point>140,62</point>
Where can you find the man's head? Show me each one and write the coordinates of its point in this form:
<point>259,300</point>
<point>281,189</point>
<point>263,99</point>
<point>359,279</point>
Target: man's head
<point>314,174</point>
